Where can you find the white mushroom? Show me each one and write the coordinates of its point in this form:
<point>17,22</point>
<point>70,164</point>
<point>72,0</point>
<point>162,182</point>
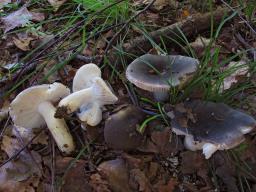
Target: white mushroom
<point>34,107</point>
<point>90,93</point>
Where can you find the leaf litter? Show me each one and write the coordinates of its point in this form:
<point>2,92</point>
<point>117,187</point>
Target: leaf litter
<point>160,164</point>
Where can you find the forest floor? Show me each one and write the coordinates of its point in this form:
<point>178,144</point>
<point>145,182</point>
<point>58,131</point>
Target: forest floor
<point>47,41</point>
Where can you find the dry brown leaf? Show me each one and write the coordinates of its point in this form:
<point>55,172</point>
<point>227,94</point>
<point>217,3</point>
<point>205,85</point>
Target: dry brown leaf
<point>242,71</point>
<point>23,43</point>
<point>169,187</point>
<point>75,177</point>
<point>116,173</point>
<point>56,3</point>
<point>139,181</point>
<point>20,18</point>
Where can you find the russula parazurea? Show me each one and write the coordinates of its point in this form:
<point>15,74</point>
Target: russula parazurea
<point>120,131</point>
<point>34,107</point>
<point>157,74</point>
<point>90,93</point>
<point>211,126</point>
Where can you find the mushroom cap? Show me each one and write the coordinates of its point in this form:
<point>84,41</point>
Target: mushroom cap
<point>214,123</point>
<point>120,129</point>
<point>24,108</point>
<point>158,73</point>
<point>84,76</point>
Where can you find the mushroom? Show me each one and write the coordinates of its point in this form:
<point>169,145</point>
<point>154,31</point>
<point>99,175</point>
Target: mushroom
<point>157,73</point>
<point>90,93</point>
<point>34,107</point>
<point>211,126</point>
<point>120,129</point>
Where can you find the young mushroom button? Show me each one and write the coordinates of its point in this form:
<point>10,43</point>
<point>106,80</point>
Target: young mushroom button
<point>90,93</point>
<point>157,74</point>
<point>34,107</point>
<point>211,126</point>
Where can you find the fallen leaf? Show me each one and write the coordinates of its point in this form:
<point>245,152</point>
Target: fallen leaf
<point>23,43</point>
<point>139,181</point>
<point>192,162</point>
<point>75,177</point>
<point>56,3</point>
<point>239,68</point>
<point>20,18</point>
<point>116,172</point>
<point>98,184</point>
<point>169,187</point>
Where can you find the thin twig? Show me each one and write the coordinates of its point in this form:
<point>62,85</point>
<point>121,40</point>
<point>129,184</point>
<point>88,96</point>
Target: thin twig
<point>246,22</point>
<point>22,149</point>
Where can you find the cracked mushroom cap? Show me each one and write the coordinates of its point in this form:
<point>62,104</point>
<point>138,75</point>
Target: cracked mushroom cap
<point>84,76</point>
<point>24,108</point>
<point>156,73</point>
<point>214,123</point>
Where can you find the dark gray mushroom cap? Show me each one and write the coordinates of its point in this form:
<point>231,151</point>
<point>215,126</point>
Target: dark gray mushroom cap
<point>159,73</point>
<point>214,123</point>
<point>120,129</point>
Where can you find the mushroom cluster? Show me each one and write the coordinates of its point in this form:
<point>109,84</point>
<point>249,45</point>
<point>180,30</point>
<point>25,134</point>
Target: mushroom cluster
<point>35,106</point>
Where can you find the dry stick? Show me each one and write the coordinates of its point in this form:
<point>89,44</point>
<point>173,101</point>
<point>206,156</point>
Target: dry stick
<point>246,45</point>
<point>191,26</point>
<point>22,149</point>
<point>125,25</point>
<point>246,22</point>
<point>31,65</point>
<point>29,152</point>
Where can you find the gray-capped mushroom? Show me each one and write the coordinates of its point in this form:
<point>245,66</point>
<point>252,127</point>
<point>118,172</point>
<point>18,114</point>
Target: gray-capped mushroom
<point>34,107</point>
<point>120,130</point>
<point>90,93</point>
<point>157,74</point>
<point>211,126</point>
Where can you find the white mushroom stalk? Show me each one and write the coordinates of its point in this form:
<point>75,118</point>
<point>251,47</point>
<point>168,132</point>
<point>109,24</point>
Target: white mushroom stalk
<point>57,127</point>
<point>93,97</point>
<point>33,108</point>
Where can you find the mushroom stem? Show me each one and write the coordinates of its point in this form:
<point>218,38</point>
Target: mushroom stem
<point>57,127</point>
<point>209,149</point>
<point>77,99</point>
<point>161,96</point>
<point>191,144</point>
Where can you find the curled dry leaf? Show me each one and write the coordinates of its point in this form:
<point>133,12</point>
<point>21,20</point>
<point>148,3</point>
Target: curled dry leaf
<point>20,18</point>
<point>22,41</point>
<point>239,68</point>
<point>56,3</point>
